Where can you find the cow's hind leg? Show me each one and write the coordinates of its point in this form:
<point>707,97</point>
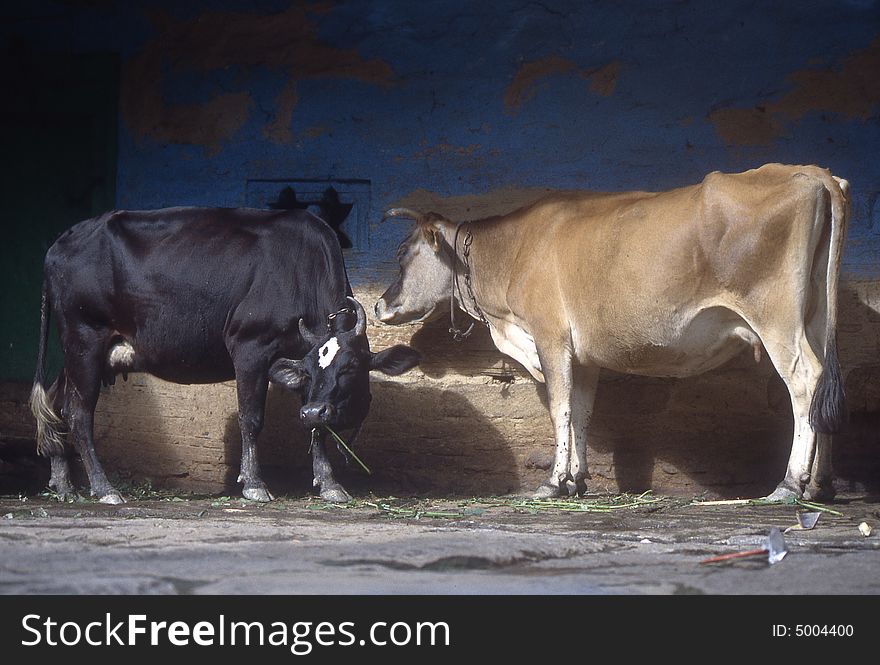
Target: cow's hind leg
<point>252,386</point>
<point>583,395</point>
<point>800,369</point>
<point>84,358</point>
<point>59,480</point>
<point>330,489</point>
<point>821,485</point>
<point>557,366</point>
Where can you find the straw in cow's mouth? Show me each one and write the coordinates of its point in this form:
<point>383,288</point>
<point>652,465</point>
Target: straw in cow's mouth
<point>348,450</point>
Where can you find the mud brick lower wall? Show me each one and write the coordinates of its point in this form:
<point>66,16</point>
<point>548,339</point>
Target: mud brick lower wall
<point>469,421</point>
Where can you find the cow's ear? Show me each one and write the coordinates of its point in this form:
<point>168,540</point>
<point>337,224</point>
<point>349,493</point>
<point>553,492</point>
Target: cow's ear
<point>395,360</point>
<point>432,236</point>
<point>289,373</point>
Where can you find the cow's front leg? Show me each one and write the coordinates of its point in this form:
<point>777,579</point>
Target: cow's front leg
<point>583,395</point>
<point>252,386</point>
<point>558,375</point>
<point>331,490</point>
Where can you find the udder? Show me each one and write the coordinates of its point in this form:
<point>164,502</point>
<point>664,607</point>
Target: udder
<point>170,364</point>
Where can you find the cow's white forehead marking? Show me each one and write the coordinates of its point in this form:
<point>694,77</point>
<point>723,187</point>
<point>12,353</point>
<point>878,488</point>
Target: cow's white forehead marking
<point>327,353</point>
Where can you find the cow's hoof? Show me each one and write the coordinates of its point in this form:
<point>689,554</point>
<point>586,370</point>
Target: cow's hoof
<point>113,498</point>
<point>824,492</point>
<point>64,491</point>
<point>782,494</point>
<point>576,487</point>
<point>65,494</point>
<point>335,495</point>
<point>260,494</point>
<point>548,491</point>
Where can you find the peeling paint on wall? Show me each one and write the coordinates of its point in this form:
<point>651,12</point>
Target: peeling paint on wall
<point>852,91</point>
<point>530,74</point>
<point>464,98</point>
<point>216,41</point>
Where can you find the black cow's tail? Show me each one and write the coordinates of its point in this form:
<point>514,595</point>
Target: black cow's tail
<point>828,408</point>
<point>49,424</point>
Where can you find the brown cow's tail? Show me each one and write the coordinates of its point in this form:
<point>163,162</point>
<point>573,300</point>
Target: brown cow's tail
<point>828,408</point>
<point>49,424</point>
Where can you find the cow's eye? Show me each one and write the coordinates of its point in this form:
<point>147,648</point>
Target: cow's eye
<point>347,373</point>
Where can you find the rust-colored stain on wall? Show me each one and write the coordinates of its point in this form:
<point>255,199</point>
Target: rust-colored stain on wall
<point>277,130</point>
<point>604,79</point>
<point>217,40</point>
<point>851,90</point>
<point>525,82</point>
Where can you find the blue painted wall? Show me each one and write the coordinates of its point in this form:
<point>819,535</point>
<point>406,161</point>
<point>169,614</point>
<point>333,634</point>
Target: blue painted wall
<point>460,97</point>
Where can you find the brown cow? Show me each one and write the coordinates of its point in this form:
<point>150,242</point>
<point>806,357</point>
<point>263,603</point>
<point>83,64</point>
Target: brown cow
<point>654,283</point>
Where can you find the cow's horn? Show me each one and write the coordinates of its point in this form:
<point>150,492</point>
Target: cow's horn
<point>402,212</point>
<point>307,334</point>
<point>360,328</point>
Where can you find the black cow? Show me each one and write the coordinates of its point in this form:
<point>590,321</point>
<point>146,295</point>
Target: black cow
<point>199,295</point>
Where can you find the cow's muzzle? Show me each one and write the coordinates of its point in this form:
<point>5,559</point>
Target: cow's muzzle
<point>391,313</point>
<point>383,312</point>
<point>317,414</point>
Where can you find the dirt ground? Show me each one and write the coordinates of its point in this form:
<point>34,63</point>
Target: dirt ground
<point>647,544</point>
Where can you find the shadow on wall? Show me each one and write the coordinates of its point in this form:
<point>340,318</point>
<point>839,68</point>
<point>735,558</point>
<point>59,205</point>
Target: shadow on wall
<point>282,447</point>
<point>443,446</point>
<point>857,448</point>
<point>139,440</point>
<point>442,355</point>
<point>159,432</point>
<point>727,431</point>
<point>21,471</point>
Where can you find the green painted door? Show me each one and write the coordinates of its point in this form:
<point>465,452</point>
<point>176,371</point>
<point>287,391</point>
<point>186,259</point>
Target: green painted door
<point>58,128</point>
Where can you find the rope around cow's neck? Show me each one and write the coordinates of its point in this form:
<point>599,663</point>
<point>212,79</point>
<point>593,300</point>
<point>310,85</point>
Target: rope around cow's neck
<point>457,333</point>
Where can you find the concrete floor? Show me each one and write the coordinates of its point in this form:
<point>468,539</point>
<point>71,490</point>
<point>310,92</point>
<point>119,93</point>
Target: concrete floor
<point>210,545</point>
